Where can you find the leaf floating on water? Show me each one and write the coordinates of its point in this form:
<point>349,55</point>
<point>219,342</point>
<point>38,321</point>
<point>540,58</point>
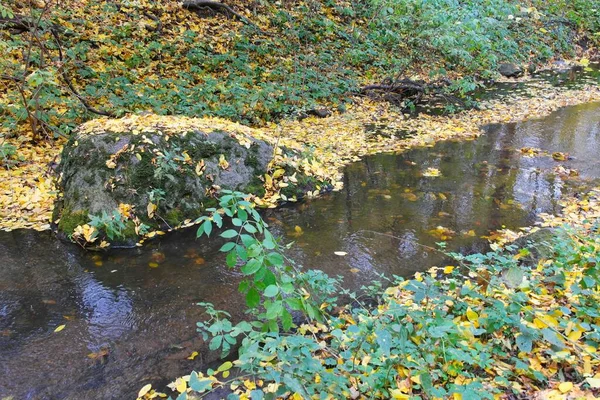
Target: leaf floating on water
<point>297,232</point>
<point>432,172</point>
<point>340,253</point>
<point>59,328</point>
<point>409,196</point>
<point>558,156</point>
<point>144,390</point>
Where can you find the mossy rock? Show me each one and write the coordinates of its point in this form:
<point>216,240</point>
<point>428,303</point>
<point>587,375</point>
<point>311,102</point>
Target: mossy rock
<point>180,173</point>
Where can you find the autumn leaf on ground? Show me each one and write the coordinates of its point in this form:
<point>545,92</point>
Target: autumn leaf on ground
<point>59,328</point>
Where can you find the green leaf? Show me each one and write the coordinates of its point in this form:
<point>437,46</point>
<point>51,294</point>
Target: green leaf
<point>231,259</point>
<point>384,340</point>
<point>251,266</point>
<point>229,233</point>
<point>199,385</point>
<point>294,303</point>
<point>218,219</point>
<point>286,320</point>
<point>252,298</point>
<point>514,277</point>
<point>227,247</point>
<point>275,259</point>
<point>215,342</point>
<point>237,222</point>
<point>274,309</point>
<point>271,291</point>
<point>552,338</point>
<point>207,227</point>
<point>524,342</point>
<point>226,366</point>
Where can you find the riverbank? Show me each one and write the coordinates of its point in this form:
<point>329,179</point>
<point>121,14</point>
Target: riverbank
<point>367,127</point>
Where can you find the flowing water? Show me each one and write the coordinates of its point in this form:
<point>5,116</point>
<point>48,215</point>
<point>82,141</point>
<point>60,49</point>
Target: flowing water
<point>130,315</point>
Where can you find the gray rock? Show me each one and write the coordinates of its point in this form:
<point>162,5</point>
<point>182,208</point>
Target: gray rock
<point>176,172</point>
<point>540,243</point>
<point>510,70</point>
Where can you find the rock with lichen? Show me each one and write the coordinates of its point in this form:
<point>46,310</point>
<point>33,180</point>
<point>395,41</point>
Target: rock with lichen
<point>120,182</point>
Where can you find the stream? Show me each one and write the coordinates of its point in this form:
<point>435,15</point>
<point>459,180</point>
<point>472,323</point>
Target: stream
<point>130,315</point>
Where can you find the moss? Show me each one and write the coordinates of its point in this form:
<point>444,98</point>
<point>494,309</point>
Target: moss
<point>210,202</point>
<point>142,176</point>
<point>71,220</point>
<point>129,231</point>
<point>203,149</point>
<point>89,179</point>
<point>174,217</point>
<point>251,161</point>
<point>256,187</point>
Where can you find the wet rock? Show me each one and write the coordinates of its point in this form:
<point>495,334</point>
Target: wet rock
<point>319,112</point>
<point>166,178</point>
<point>540,243</point>
<point>510,70</point>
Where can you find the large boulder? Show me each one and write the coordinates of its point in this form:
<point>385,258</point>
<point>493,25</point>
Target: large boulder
<point>510,70</point>
<point>126,183</point>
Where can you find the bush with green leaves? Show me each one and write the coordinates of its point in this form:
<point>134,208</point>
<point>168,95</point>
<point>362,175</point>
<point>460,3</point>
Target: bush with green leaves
<point>274,287</point>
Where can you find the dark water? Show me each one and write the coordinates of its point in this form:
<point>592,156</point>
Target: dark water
<point>128,323</point>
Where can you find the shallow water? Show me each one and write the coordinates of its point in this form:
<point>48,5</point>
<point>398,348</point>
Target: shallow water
<point>128,324</point>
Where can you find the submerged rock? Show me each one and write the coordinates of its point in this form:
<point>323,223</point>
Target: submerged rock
<point>510,70</point>
<point>150,180</point>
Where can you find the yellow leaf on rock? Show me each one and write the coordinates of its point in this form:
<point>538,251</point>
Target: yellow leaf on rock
<point>223,162</point>
<point>151,208</point>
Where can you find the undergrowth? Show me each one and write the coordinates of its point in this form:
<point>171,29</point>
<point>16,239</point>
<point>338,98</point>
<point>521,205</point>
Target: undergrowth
<point>68,61</point>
